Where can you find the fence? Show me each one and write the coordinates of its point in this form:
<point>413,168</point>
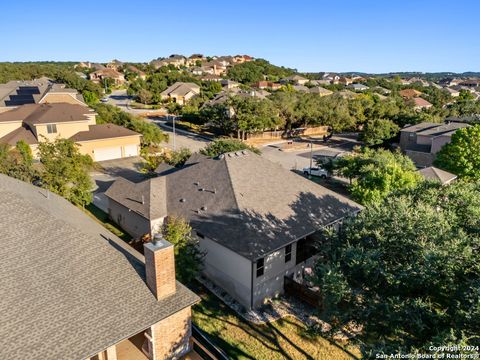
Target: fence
<point>301,291</point>
<point>278,134</point>
<point>204,347</point>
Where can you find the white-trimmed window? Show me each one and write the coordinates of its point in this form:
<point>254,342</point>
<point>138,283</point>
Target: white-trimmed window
<point>52,128</point>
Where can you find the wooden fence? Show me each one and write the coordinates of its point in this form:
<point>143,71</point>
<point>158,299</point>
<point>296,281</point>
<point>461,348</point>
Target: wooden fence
<point>302,292</point>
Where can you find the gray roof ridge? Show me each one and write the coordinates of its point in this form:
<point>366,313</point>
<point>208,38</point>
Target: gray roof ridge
<point>230,182</point>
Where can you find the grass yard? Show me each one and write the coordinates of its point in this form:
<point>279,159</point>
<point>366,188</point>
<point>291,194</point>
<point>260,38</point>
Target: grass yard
<point>102,218</point>
<point>286,338</point>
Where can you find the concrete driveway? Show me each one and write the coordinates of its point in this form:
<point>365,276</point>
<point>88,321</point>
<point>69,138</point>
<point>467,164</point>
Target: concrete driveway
<point>128,168</point>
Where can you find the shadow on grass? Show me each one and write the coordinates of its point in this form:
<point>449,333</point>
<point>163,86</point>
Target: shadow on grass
<point>103,218</point>
<point>268,335</point>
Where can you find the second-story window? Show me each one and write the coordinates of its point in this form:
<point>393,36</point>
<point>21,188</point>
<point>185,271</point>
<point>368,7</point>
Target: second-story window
<point>260,267</point>
<point>52,128</point>
<point>288,253</point>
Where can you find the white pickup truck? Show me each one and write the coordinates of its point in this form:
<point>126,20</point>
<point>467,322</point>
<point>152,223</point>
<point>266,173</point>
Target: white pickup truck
<point>315,171</point>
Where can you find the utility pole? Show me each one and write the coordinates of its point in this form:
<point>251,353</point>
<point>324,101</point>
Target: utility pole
<point>311,159</point>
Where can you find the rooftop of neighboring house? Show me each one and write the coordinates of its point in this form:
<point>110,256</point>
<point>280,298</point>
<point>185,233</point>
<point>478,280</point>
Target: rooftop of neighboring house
<point>71,285</point>
<point>435,129</point>
<point>452,91</point>
<point>320,90</point>
<point>211,77</point>
<point>358,86</point>
<point>295,77</point>
<point>103,131</point>
<point>15,93</point>
<point>409,93</point>
<point>181,89</point>
<point>435,174</point>
<point>301,88</point>
<point>419,102</point>
<point>107,72</point>
<point>33,114</point>
<point>240,200</point>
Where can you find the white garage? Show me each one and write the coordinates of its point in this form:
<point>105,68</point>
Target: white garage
<point>130,150</point>
<point>101,154</point>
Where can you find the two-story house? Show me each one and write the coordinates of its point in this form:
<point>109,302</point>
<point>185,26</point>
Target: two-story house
<point>256,221</point>
<point>34,123</point>
<point>421,142</point>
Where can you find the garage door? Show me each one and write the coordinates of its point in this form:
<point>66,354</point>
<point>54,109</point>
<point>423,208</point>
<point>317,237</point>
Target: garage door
<point>108,153</point>
<point>131,150</point>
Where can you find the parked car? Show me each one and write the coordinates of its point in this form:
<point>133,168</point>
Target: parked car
<point>315,171</point>
<point>104,100</point>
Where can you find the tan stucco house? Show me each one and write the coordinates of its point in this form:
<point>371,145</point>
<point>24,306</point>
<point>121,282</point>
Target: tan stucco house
<point>256,221</point>
<point>180,92</point>
<point>34,123</point>
<point>70,289</point>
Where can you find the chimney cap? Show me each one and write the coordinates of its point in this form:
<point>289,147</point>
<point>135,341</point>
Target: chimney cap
<point>158,243</point>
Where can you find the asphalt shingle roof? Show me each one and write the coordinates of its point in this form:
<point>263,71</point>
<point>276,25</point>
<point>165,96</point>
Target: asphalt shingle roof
<point>435,174</point>
<point>103,131</point>
<point>243,201</point>
<point>69,288</point>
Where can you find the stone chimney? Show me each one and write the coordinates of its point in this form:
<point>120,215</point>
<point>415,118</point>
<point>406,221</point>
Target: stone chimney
<point>160,267</point>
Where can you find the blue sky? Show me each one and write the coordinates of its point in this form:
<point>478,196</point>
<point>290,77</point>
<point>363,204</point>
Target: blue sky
<point>340,35</point>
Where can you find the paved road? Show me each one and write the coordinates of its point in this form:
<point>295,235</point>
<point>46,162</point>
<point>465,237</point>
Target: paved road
<point>298,159</point>
<point>183,139</point>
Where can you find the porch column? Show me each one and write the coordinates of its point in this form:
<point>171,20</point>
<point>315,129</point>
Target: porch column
<point>112,353</point>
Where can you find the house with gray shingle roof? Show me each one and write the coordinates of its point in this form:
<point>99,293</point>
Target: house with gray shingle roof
<point>70,289</point>
<point>256,221</point>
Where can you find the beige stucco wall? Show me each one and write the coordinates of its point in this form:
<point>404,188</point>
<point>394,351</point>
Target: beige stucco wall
<point>64,130</point>
<point>228,270</point>
<point>8,127</point>
<point>88,147</point>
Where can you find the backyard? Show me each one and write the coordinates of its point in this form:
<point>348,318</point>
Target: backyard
<point>287,338</point>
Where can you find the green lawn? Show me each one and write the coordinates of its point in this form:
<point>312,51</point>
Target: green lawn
<point>102,218</point>
<point>286,338</point>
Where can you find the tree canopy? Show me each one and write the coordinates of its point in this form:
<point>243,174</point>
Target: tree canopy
<point>407,271</point>
<point>462,155</point>
<point>377,131</point>
<point>376,173</point>
<point>188,256</point>
<point>222,146</point>
<point>65,170</point>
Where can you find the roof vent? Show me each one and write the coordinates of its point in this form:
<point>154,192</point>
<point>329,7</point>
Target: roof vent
<point>237,154</point>
<point>244,152</point>
<point>196,183</point>
<point>203,208</point>
<point>201,189</point>
<point>229,154</point>
<point>221,156</point>
<point>182,200</point>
